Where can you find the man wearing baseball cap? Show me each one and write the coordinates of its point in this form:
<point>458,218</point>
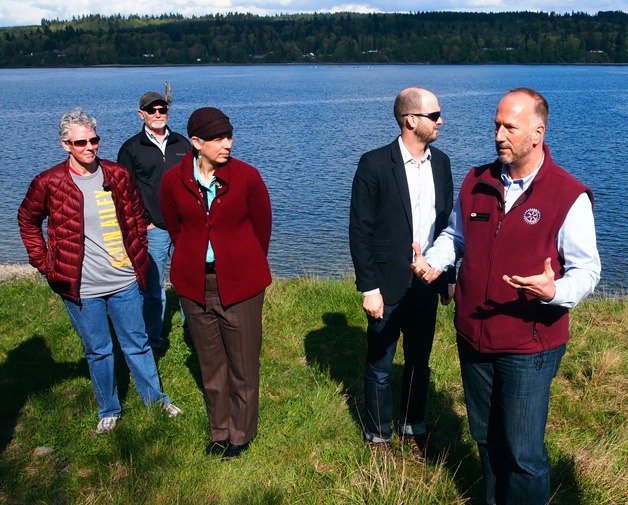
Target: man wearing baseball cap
<point>148,155</point>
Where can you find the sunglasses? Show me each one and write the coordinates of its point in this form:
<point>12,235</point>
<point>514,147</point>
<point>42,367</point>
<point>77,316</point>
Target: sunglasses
<point>432,115</point>
<point>152,110</point>
<point>83,142</point>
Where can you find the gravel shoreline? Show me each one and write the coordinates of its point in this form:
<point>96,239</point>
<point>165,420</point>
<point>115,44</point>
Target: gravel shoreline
<point>12,271</point>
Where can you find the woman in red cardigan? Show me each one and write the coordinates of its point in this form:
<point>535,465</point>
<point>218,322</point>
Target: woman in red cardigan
<point>217,212</point>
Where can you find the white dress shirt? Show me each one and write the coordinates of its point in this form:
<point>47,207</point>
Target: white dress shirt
<point>422,198</point>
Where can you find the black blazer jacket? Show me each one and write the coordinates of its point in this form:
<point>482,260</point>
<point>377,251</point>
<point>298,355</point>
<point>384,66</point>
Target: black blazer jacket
<point>380,222</point>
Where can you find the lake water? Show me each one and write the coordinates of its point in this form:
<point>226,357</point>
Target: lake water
<point>305,127</point>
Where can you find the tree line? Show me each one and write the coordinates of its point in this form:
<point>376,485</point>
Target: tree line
<point>428,37</point>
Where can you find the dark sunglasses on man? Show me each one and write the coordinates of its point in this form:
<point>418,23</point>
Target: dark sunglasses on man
<point>162,109</point>
<point>431,115</point>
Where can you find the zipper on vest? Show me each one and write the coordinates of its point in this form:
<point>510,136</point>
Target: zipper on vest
<point>500,207</point>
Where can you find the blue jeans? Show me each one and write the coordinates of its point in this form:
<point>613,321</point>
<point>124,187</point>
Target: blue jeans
<point>414,316</point>
<point>89,318</point>
<point>507,398</point>
<point>159,248</point>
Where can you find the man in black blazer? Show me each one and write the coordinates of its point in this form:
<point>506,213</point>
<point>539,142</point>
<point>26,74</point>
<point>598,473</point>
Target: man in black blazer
<point>402,193</point>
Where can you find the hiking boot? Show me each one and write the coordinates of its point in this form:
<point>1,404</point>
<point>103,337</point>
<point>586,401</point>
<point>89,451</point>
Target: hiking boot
<point>417,444</point>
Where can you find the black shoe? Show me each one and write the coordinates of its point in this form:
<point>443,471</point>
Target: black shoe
<point>234,451</point>
<point>417,444</point>
<point>217,448</point>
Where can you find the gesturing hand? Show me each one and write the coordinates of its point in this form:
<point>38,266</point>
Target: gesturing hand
<point>541,285</point>
<point>422,268</point>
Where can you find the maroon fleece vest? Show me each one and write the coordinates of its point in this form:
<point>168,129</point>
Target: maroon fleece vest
<point>490,315</point>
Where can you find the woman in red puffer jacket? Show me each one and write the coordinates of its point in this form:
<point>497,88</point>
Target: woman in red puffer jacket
<point>96,258</point>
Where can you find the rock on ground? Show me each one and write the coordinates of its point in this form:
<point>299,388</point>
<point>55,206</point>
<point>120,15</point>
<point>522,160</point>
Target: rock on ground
<point>17,271</point>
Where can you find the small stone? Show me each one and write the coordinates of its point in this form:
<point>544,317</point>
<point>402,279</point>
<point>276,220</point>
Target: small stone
<point>42,451</point>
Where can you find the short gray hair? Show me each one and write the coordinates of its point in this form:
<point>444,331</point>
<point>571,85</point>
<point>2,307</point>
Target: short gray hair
<point>76,117</point>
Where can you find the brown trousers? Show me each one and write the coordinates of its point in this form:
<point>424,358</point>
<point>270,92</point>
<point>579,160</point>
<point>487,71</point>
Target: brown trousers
<point>228,343</point>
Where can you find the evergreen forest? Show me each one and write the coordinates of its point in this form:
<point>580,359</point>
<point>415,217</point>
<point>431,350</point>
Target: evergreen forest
<point>427,37</point>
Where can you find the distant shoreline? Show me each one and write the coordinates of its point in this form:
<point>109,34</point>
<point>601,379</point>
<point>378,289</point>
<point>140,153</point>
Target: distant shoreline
<point>313,64</point>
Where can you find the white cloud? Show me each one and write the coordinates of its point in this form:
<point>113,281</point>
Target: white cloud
<point>31,12</point>
<point>361,8</point>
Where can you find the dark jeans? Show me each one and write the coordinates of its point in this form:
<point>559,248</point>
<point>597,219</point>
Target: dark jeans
<point>507,397</point>
<point>154,310</point>
<point>415,317</point>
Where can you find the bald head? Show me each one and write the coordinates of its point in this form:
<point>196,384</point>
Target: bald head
<point>539,104</point>
<point>411,100</point>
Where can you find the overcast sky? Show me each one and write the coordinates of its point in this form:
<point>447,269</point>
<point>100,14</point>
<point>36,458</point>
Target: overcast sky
<point>31,12</point>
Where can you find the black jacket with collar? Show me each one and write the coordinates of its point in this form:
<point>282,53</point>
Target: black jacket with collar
<point>380,223</point>
<point>147,165</point>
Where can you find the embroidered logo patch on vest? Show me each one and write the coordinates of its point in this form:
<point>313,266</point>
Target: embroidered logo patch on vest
<point>532,216</point>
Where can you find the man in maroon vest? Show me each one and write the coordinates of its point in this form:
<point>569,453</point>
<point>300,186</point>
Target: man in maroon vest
<point>524,228</point>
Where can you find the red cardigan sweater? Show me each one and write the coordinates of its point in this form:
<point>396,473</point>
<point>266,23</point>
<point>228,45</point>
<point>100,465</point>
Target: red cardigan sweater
<point>238,224</point>
<point>54,195</point>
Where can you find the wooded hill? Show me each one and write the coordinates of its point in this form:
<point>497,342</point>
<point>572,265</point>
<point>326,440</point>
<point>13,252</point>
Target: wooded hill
<point>429,37</point>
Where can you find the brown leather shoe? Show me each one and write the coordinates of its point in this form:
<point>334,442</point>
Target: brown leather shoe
<point>417,444</point>
<point>381,449</point>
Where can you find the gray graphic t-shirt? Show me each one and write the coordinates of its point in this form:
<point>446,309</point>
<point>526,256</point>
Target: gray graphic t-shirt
<point>106,267</point>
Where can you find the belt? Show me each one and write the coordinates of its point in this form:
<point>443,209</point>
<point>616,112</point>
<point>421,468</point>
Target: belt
<point>210,268</point>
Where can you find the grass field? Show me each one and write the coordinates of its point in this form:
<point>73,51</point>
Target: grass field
<point>309,449</point>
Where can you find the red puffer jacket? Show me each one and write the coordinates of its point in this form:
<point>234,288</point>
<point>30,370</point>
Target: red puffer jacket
<point>54,195</point>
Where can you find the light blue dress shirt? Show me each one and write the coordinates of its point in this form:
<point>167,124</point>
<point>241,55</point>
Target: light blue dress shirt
<point>211,194</point>
<point>576,244</point>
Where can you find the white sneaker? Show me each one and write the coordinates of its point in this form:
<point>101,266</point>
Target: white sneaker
<point>172,410</point>
<point>106,424</point>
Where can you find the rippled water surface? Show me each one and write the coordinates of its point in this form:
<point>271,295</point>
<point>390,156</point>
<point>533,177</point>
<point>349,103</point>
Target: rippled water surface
<point>305,127</point>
